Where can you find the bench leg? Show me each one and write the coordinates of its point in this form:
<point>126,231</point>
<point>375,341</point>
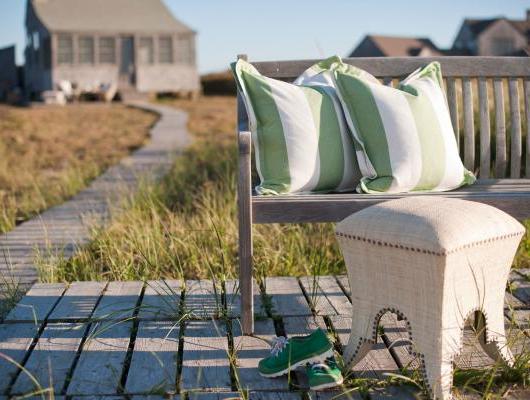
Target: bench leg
<point>245,279</point>
<point>245,234</point>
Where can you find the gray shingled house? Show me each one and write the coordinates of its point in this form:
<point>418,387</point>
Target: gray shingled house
<point>494,37</point>
<point>137,44</point>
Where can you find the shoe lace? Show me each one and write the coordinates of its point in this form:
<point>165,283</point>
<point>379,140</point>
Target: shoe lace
<point>278,344</point>
<point>319,367</point>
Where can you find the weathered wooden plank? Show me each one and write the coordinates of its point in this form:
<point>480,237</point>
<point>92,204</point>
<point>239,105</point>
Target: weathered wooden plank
<point>316,297</point>
<point>118,301</point>
<point>455,66</point>
<point>469,125</point>
<point>78,301</point>
<point>276,396</point>
<point>344,284</point>
<point>249,350</point>
<point>512,302</point>
<point>396,339</point>
<point>205,363</point>
<point>527,112</point>
<point>518,319</point>
<point>154,360</point>
<point>521,290</point>
<point>15,340</point>
<point>452,101</point>
<point>472,355</point>
<point>203,299</point>
<point>394,393</point>
<point>335,207</point>
<point>233,299</point>
<point>161,300</point>
<point>52,358</point>
<point>287,297</point>
<point>500,129</point>
<point>376,363</point>
<point>515,131</point>
<point>37,303</point>
<point>342,393</point>
<point>485,135</point>
<point>100,364</point>
<point>335,295</point>
<point>215,396</point>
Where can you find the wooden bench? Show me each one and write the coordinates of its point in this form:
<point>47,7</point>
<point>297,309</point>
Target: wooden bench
<point>496,153</point>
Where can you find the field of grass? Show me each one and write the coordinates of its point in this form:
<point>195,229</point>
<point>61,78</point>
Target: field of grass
<point>187,227</point>
<point>47,154</point>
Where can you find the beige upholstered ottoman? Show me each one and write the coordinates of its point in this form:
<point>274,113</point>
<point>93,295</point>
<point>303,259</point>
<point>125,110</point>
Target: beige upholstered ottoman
<point>433,261</point>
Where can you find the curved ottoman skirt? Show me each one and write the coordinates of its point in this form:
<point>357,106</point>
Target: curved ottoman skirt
<point>435,262</point>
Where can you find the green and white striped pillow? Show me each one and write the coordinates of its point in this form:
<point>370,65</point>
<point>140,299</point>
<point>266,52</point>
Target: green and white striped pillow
<point>404,136</point>
<point>301,140</point>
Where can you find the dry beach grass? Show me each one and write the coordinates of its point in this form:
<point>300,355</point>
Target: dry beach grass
<point>47,154</point>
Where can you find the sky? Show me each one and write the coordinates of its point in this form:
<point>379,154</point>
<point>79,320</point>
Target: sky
<point>289,29</point>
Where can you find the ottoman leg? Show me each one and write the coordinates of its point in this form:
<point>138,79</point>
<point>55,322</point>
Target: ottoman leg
<point>497,348</point>
<point>438,368</point>
<point>355,351</point>
<point>361,335</point>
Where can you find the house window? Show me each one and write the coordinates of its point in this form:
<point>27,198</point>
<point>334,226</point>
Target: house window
<point>65,49</point>
<point>165,50</point>
<point>186,50</point>
<point>86,50</point>
<point>147,51</point>
<point>107,50</point>
<point>502,46</point>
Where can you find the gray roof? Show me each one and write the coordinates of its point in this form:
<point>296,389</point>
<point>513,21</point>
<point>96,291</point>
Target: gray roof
<point>126,16</point>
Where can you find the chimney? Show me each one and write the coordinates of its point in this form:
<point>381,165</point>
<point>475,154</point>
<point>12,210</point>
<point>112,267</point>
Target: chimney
<point>528,15</point>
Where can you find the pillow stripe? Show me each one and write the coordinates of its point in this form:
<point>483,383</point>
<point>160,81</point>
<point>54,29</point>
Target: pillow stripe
<point>330,146</point>
<point>430,138</point>
<point>275,162</point>
<point>292,106</point>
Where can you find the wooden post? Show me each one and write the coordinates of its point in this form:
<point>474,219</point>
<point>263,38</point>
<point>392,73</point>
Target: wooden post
<point>245,219</point>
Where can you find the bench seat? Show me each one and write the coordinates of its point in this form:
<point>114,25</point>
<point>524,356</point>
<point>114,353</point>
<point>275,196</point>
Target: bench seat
<point>509,195</point>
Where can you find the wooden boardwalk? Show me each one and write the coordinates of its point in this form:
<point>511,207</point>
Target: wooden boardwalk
<point>173,339</point>
<point>61,230</point>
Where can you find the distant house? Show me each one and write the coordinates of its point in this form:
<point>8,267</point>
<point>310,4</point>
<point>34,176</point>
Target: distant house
<point>493,37</point>
<point>8,72</point>
<point>136,44</point>
<point>395,46</point>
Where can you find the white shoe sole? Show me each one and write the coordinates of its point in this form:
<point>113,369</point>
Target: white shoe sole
<point>315,359</point>
<point>327,385</point>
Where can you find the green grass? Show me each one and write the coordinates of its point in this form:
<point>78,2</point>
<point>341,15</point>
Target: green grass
<point>187,227</point>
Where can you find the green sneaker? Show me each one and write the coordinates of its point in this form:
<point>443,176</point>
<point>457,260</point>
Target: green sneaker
<point>325,375</point>
<point>288,354</point>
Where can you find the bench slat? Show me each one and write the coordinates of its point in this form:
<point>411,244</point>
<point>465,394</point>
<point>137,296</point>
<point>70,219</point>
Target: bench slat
<point>515,119</point>
<point>469,126</point>
<point>453,107</point>
<point>527,112</point>
<point>401,66</point>
<point>500,129</point>
<point>485,146</point>
<point>335,207</point>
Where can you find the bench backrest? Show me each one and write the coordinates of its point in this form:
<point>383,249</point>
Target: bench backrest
<point>488,98</point>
